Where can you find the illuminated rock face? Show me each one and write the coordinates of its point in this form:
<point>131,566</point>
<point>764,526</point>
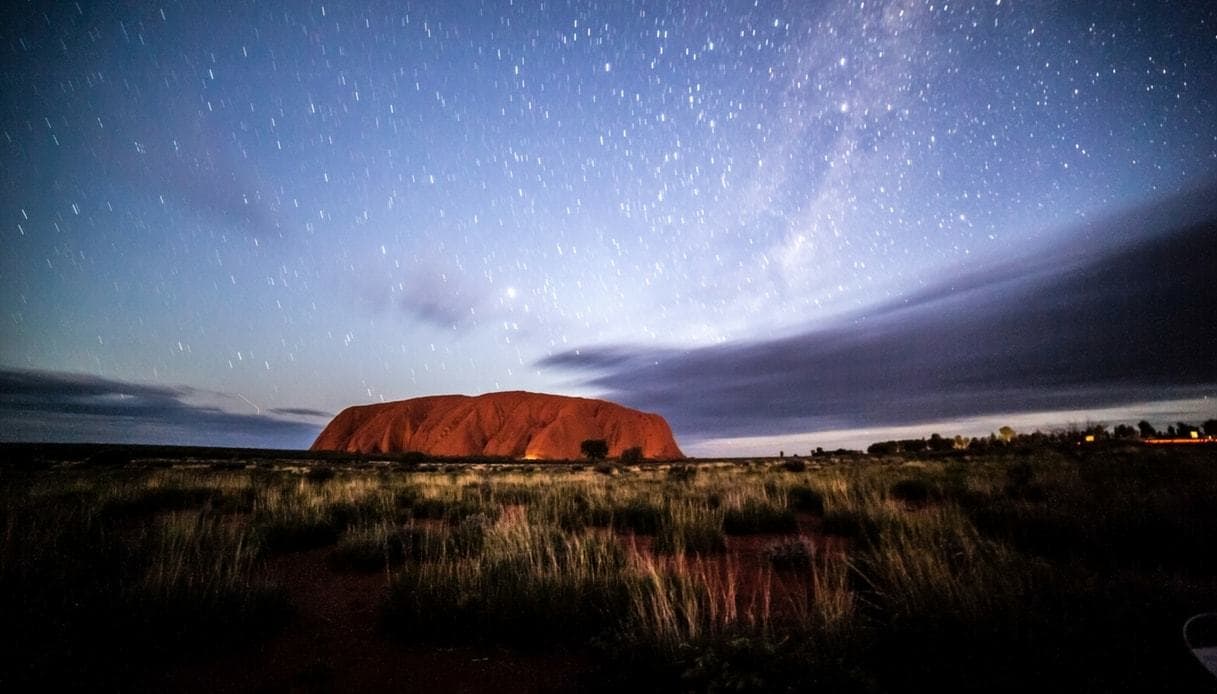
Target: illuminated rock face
<point>513,424</point>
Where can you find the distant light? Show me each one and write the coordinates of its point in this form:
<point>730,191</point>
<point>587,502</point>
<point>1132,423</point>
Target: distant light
<point>608,67</point>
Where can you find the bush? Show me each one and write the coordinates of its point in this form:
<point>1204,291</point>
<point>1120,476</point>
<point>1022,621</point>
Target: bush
<point>638,516</point>
<point>804,498</point>
<point>756,517</point>
<point>512,597</point>
<point>594,449</point>
<point>631,456</point>
<point>912,491</point>
<point>682,473</point>
<point>320,473</point>
<point>795,465</point>
<point>854,525</point>
<point>369,550</point>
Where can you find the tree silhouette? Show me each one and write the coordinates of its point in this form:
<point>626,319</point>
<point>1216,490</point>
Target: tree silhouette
<point>1210,427</point>
<point>1147,430</point>
<point>594,449</point>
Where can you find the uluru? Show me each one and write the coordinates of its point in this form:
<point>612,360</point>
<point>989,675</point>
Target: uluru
<point>514,424</point>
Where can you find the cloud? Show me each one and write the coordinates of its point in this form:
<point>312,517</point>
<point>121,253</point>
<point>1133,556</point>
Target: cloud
<point>439,299</point>
<point>66,407</point>
<point>431,291</point>
<point>1099,323</point>
<point>300,412</point>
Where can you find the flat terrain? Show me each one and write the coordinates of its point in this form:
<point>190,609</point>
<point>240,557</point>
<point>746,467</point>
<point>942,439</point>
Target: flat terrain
<point>163,570</point>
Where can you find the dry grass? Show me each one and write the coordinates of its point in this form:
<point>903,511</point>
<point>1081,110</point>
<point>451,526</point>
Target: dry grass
<point>853,576</point>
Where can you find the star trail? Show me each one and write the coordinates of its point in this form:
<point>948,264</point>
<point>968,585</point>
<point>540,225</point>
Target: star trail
<point>762,220</point>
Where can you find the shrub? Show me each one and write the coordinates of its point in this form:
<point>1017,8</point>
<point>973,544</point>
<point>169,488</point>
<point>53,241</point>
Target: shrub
<point>406,497</point>
<point>594,449</point>
<point>347,513</point>
<point>756,517</point>
<point>638,516</point>
<point>804,498</point>
<point>320,473</point>
<point>682,473</point>
<point>855,525</point>
<point>530,591</point>
<point>912,491</point>
<point>795,465</point>
<point>631,456</point>
<point>370,549</point>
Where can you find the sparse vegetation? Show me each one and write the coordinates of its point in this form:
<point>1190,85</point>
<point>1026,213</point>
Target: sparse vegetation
<point>997,572</point>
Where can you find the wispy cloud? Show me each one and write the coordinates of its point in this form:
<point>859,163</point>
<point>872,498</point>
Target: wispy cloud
<point>56,406</point>
<point>1117,321</point>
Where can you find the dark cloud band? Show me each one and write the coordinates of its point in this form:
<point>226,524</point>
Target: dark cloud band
<point>64,407</point>
<point>1124,321</point>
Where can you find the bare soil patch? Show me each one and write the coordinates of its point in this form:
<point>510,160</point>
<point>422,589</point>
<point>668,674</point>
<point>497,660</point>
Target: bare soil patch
<point>334,644</point>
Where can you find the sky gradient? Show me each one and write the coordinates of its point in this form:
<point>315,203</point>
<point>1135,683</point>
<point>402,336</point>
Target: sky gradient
<point>768,222</point>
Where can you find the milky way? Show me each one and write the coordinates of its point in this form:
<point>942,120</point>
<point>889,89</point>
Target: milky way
<point>273,210</point>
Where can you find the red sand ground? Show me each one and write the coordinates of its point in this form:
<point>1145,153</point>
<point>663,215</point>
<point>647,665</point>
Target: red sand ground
<point>334,643</point>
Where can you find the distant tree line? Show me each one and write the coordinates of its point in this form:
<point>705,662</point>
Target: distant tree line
<point>1007,437</point>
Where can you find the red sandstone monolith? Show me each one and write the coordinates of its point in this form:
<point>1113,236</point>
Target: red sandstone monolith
<point>513,424</point>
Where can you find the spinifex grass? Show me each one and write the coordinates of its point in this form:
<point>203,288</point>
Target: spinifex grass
<point>529,585</point>
<point>978,574</point>
<point>101,571</point>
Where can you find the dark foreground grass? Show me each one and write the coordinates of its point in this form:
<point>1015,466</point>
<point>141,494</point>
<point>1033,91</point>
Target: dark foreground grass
<point>97,581</point>
<point>1004,574</point>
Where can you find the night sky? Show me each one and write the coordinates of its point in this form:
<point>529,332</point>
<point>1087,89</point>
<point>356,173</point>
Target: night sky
<point>776,224</point>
